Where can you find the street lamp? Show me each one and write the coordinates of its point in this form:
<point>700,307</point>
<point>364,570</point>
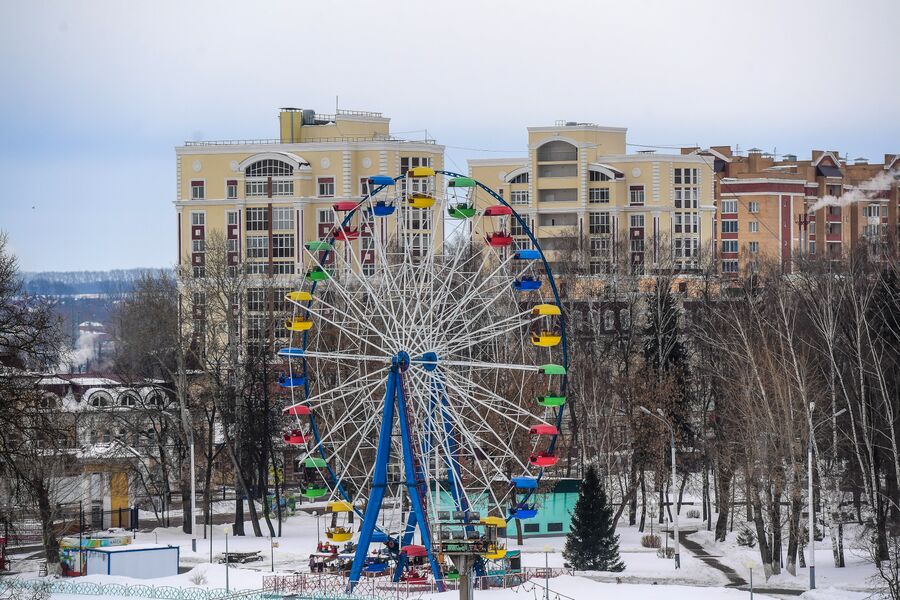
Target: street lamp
<point>227,533</point>
<point>661,418</point>
<point>809,492</point>
<point>547,551</point>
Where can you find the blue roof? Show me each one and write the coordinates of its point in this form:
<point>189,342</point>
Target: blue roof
<point>381,180</point>
<point>525,483</point>
<point>527,254</point>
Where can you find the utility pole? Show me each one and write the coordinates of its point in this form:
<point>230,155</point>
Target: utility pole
<point>671,429</point>
<point>193,499</point>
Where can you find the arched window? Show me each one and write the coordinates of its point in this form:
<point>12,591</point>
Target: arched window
<point>557,150</point>
<point>128,399</point>
<point>521,178</point>
<point>48,402</point>
<point>269,167</point>
<point>100,400</point>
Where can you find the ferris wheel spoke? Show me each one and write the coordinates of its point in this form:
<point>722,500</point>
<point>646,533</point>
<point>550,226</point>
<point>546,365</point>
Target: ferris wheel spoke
<point>494,330</point>
<point>490,399</point>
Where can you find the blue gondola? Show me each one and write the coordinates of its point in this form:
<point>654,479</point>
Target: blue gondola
<point>523,511</point>
<point>291,382</point>
<point>291,352</point>
<point>526,254</point>
<point>381,180</point>
<point>383,209</point>
<point>525,483</point>
<point>378,567</point>
<point>379,537</point>
<point>526,284</point>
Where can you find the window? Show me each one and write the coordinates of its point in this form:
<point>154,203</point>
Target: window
<point>232,217</point>
<point>283,245</point>
<point>100,400</point>
<point>872,211</point>
<point>326,187</point>
<point>754,247</point>
<point>363,186</point>
<point>325,216</point>
<point>256,327</point>
<point>599,176</point>
<point>557,170</point>
<point>609,320</point>
<point>636,195</point>
<point>686,247</point>
<point>599,247</point>
<point>754,207</point>
<point>687,176</point>
<point>128,400</point>
<point>198,245</point>
<point>598,195</point>
<point>418,218</point>
<point>685,222</point>
<point>812,247</point>
<point>637,245</point>
<point>519,197</point>
<point>516,228</point>
<point>409,162</point>
<point>729,266</point>
<point>232,244</point>
<point>257,219</point>
<point>730,226</point>
<point>557,150</point>
<point>283,268</point>
<point>231,189</point>
<point>532,527</point>
<point>198,218</point>
<point>257,246</point>
<point>256,299</point>
<point>269,167</point>
<point>521,178</point>
<point>637,220</point>
<point>833,190</point>
<point>554,195</point>
<point>686,197</point>
<point>729,207</point>
<point>754,227</point>
<point>554,527</point>
<point>282,219</point>
<point>729,246</point>
<point>197,190</point>
<point>598,222</point>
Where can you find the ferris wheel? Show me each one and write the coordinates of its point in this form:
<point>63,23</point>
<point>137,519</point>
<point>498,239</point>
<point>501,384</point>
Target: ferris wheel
<point>426,377</point>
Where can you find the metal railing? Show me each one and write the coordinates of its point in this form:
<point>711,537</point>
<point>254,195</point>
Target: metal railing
<point>369,138</point>
<point>118,590</point>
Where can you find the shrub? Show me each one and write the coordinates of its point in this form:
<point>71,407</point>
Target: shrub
<point>746,537</point>
<point>650,541</point>
<point>198,577</point>
<point>665,552</point>
<point>693,514</point>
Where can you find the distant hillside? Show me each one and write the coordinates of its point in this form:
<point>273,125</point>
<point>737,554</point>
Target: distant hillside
<point>70,283</point>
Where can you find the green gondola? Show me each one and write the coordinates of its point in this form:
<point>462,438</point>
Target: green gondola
<point>317,274</point>
<point>315,462</point>
<point>461,211</point>
<point>313,492</point>
<point>317,246</point>
<point>551,401</point>
<point>461,182</point>
<point>452,576</point>
<point>553,369</point>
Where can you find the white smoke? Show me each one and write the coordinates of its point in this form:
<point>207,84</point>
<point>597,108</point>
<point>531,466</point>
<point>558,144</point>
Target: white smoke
<point>863,192</point>
<point>84,353</point>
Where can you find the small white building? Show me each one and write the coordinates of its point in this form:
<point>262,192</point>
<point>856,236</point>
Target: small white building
<point>141,561</point>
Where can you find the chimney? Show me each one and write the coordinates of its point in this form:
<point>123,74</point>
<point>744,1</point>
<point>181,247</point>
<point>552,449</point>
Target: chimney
<point>723,150</point>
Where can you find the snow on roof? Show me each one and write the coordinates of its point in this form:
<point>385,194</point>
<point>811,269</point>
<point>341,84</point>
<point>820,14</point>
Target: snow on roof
<point>90,324</point>
<point>93,381</point>
<point>52,380</point>
<point>131,548</point>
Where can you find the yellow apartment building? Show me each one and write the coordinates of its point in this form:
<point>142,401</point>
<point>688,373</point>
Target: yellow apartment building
<point>269,197</point>
<point>579,186</point>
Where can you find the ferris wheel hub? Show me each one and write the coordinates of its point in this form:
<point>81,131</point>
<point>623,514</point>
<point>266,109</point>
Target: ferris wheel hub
<point>429,361</point>
<point>401,360</point>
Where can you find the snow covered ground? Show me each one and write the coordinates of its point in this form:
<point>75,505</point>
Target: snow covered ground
<point>645,576</point>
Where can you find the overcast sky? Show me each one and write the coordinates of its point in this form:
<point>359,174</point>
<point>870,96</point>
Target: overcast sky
<point>96,95</point>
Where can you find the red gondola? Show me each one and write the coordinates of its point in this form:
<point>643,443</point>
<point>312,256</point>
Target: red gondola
<point>414,550</point>
<point>499,239</point>
<point>297,410</point>
<point>346,235</point>
<point>497,211</point>
<point>414,577</point>
<point>542,429</point>
<point>295,437</point>
<point>543,459</point>
<point>344,205</point>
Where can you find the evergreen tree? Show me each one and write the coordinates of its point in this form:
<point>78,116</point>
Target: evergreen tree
<point>592,544</point>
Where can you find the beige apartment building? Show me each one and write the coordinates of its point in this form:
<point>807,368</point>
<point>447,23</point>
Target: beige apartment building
<point>270,197</point>
<point>580,185</point>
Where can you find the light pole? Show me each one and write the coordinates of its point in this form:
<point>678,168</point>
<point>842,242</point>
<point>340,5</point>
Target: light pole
<point>227,532</point>
<point>193,499</point>
<point>809,492</point>
<point>671,429</point>
<point>547,550</point>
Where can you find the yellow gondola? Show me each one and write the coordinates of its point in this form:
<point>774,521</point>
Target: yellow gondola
<point>545,339</point>
<point>299,296</point>
<point>340,506</point>
<point>498,522</point>
<point>339,534</point>
<point>497,554</point>
<point>421,201</point>
<point>298,324</point>
<point>420,172</point>
<point>545,310</point>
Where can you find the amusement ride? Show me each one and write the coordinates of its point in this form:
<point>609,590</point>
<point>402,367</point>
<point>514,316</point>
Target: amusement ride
<point>426,378</point>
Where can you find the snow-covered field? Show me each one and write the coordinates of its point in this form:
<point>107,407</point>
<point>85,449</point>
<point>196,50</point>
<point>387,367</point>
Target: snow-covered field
<point>645,576</point>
